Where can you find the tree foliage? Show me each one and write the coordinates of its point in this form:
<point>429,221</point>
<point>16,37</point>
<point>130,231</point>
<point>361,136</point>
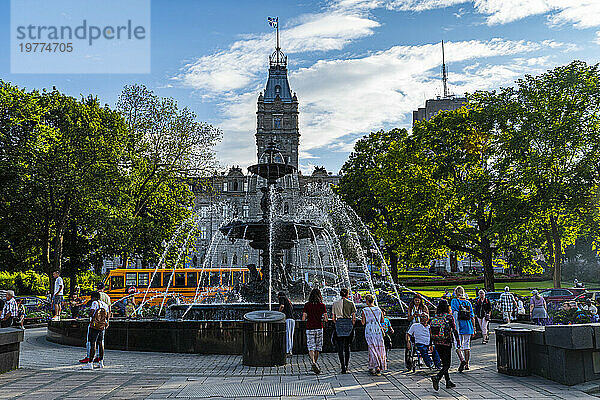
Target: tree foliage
<point>513,173</point>
<point>82,181</point>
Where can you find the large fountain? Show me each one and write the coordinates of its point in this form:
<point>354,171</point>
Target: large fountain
<point>271,236</point>
<point>317,241</point>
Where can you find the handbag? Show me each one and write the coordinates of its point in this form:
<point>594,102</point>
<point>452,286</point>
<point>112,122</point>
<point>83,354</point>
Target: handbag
<point>343,327</point>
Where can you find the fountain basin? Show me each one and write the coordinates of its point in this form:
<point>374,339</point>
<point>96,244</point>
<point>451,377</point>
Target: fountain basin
<point>195,337</point>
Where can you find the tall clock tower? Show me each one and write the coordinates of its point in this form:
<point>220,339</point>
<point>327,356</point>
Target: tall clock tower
<point>277,113</point>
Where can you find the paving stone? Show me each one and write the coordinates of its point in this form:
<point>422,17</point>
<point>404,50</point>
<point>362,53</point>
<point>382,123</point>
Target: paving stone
<point>51,371</point>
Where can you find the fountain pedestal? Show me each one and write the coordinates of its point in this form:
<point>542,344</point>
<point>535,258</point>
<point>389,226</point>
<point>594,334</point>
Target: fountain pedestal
<point>264,339</point>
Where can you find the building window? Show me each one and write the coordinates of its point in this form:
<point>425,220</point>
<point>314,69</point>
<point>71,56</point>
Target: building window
<point>224,186</point>
<point>203,232</point>
<point>277,122</point>
<point>286,208</point>
<point>234,260</point>
<point>235,186</point>
<point>224,258</point>
<point>245,211</point>
<point>245,186</point>
<point>204,210</point>
<point>277,90</point>
<point>246,258</point>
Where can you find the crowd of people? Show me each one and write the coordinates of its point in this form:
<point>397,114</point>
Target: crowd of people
<point>453,323</point>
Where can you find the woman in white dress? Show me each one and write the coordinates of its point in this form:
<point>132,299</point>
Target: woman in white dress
<point>372,318</point>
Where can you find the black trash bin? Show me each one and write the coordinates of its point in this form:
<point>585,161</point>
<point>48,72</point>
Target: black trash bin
<point>264,339</point>
<point>512,351</point>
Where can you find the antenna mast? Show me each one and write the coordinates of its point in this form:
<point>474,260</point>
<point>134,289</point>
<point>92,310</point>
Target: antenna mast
<point>444,73</point>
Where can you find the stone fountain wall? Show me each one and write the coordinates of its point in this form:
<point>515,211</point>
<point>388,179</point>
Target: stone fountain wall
<point>197,337</point>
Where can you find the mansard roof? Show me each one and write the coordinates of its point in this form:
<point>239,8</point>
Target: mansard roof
<point>277,85</point>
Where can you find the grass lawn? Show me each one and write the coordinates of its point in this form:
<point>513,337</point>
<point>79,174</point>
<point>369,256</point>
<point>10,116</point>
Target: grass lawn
<point>521,288</point>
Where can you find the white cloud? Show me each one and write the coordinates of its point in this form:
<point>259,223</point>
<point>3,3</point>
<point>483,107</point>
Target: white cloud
<point>580,13</point>
<point>343,98</point>
<point>239,65</point>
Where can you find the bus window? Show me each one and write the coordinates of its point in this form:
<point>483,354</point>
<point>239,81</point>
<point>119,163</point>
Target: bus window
<point>205,276</point>
<point>191,279</point>
<point>214,279</point>
<point>117,282</point>
<point>156,280</point>
<point>143,279</point>
<point>130,279</point>
<point>226,278</point>
<point>179,280</point>
<point>235,277</point>
<point>166,277</point>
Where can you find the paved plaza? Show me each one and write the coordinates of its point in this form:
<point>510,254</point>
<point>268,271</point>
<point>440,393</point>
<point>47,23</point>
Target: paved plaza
<point>50,371</point>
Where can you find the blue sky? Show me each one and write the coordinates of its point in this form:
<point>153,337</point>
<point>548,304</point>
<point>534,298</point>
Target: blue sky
<point>357,65</point>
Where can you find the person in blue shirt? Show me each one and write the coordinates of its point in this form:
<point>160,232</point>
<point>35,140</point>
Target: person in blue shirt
<point>462,310</point>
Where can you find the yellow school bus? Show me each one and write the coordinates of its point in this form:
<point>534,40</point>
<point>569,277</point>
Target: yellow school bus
<point>214,281</point>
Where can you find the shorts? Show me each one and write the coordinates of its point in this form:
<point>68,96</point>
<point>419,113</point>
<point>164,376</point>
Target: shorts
<point>464,341</point>
<point>57,299</point>
<point>314,339</point>
<point>94,335</point>
<point>507,315</point>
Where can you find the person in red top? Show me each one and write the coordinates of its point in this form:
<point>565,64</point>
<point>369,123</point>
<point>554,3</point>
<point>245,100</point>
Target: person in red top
<point>314,314</point>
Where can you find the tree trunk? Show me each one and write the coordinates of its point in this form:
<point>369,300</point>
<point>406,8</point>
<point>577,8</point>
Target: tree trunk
<point>393,265</point>
<point>125,260</point>
<point>557,252</point>
<point>550,248</point>
<point>453,262</point>
<point>488,266</point>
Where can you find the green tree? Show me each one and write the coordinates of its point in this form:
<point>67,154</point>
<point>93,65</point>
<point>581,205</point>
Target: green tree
<point>168,146</point>
<point>356,189</point>
<point>446,183</point>
<point>554,150</point>
<point>63,163</point>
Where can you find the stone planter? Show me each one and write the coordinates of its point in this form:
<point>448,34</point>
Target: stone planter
<point>10,346</point>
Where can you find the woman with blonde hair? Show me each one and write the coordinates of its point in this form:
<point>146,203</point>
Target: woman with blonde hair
<point>372,318</point>
<point>462,311</point>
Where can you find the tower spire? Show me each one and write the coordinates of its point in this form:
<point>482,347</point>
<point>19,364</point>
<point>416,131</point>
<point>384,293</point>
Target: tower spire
<point>444,73</point>
<point>277,59</point>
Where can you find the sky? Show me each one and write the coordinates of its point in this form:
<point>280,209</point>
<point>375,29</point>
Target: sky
<point>357,66</point>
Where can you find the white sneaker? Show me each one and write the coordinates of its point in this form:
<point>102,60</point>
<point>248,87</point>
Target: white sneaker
<point>99,364</point>
<point>87,366</point>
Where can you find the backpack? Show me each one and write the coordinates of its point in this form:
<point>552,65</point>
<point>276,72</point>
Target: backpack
<point>99,320</point>
<point>440,330</point>
<point>464,311</point>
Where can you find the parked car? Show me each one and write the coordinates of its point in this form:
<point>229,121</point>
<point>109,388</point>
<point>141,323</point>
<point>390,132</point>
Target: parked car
<point>594,296</point>
<point>493,297</point>
<point>560,295</point>
<point>33,303</point>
